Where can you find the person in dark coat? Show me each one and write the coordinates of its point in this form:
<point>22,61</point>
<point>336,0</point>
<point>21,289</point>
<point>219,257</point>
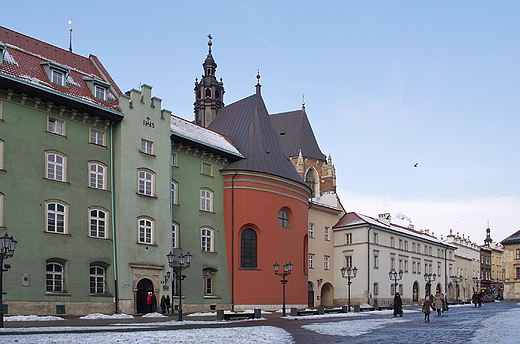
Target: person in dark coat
<point>154,303</point>
<point>398,305</point>
<point>480,299</point>
<point>474,299</point>
<point>426,308</point>
<point>168,304</point>
<point>163,305</point>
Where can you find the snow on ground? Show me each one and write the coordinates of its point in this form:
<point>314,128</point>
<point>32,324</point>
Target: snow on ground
<point>32,318</point>
<point>154,315</point>
<point>257,334</point>
<point>501,328</point>
<point>350,328</point>
<point>214,314</point>
<point>95,316</point>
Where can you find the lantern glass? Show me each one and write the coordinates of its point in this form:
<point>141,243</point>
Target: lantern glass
<point>189,257</point>
<point>171,258</point>
<point>5,241</point>
<point>182,259</point>
<point>276,267</point>
<point>355,271</point>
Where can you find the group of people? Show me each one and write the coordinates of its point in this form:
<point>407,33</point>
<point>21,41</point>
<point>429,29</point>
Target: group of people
<point>431,302</point>
<point>151,301</point>
<point>477,299</point>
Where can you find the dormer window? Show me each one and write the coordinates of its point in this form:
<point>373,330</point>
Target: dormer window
<point>2,53</point>
<point>98,88</point>
<point>57,74</point>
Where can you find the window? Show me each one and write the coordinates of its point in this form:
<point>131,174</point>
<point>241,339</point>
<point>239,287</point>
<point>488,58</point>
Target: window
<point>54,278</point>
<point>392,263</point>
<point>392,242</point>
<point>348,261</point>
<point>248,243</point>
<point>439,270</point>
<point>327,233</point>
<point>418,248</point>
<point>310,179</point>
<point>97,280</point>
<point>406,265</point>
<point>145,186</point>
<point>175,231</point>
<point>55,166</point>
<point>100,92</point>
<point>401,265</point>
<point>518,253</point>
<point>375,238</point>
<point>414,267</point>
<point>326,260</point>
<point>175,187</point>
<point>97,137</point>
<point>406,245</point>
<point>96,176</point>
<point>206,169</point>
<point>283,218</point>
<point>518,272</point>
<point>173,159</point>
<point>376,261</point>
<point>413,247</point>
<point>400,244</point>
<point>206,203</point>
<point>311,230</point>
<point>209,278</point>
<point>146,147</point>
<point>145,231</point>
<point>98,221</point>
<point>348,238</point>
<point>56,126</point>
<point>206,236</point>
<point>376,288</point>
<point>311,261</point>
<point>57,77</point>
<point>419,268</point>
<point>56,217</point>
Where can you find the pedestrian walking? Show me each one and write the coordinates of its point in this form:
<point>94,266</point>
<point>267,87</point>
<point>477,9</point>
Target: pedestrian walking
<point>168,304</point>
<point>149,302</point>
<point>444,304</point>
<point>474,299</point>
<point>398,305</point>
<point>154,303</point>
<point>480,299</point>
<point>163,305</point>
<point>438,302</point>
<point>426,308</point>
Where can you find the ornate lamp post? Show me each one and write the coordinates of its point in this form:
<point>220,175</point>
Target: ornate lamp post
<point>184,262</point>
<point>429,278</point>
<point>287,268</point>
<point>394,277</point>
<point>456,279</point>
<point>476,280</point>
<point>350,273</point>
<point>6,251</point>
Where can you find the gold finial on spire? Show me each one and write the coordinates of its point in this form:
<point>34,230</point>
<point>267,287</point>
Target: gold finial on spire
<point>209,42</point>
<point>258,76</point>
<point>70,36</point>
<point>303,100</point>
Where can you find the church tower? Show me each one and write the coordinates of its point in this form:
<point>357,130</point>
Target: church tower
<point>209,92</point>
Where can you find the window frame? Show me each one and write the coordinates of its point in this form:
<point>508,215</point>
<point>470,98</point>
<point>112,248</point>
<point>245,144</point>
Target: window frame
<point>205,165</point>
<point>94,136</point>
<point>54,128</point>
<point>327,233</point>
<point>56,213</point>
<point>97,276</point>
<point>145,231</point>
<point>326,262</point>
<point>147,147</point>
<point>97,175</point>
<point>173,159</point>
<point>175,235</point>
<point>283,218</point>
<point>348,238</point>
<point>206,239</point>
<point>311,260</point>
<point>206,200</point>
<point>100,92</point>
<point>60,77</point>
<point>57,284</point>
<point>60,167</point>
<point>174,194</point>
<point>348,262</point>
<point>312,230</point>
<point>145,186</point>
<point>248,249</point>
<point>97,220</point>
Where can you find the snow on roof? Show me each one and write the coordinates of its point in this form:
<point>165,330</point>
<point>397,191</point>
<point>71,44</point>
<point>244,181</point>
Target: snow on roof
<point>182,127</point>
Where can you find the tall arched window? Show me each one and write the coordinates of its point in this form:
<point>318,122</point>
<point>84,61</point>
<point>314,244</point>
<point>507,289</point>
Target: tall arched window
<point>248,244</point>
<point>310,179</point>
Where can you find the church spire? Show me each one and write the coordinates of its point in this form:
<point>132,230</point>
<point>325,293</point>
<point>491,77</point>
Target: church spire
<point>209,92</point>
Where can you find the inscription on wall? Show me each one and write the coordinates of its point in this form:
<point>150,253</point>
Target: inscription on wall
<point>148,123</point>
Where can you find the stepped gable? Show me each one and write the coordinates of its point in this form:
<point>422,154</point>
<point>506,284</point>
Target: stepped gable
<point>295,132</point>
<point>512,239</point>
<point>22,71</point>
<point>247,124</point>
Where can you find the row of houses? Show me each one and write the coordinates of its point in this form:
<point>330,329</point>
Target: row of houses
<point>99,185</point>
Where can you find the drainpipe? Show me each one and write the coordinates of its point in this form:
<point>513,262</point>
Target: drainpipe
<point>114,246</point>
<point>368,264</point>
<point>233,241</point>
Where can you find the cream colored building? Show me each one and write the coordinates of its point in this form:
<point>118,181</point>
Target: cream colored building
<point>512,267</point>
<point>376,247</point>
<point>466,265</point>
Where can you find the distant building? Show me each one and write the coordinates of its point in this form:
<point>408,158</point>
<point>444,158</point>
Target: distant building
<point>512,267</point>
<point>495,281</point>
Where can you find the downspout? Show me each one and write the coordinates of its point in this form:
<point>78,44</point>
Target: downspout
<point>173,278</point>
<point>114,246</point>
<point>368,266</point>
<point>233,241</point>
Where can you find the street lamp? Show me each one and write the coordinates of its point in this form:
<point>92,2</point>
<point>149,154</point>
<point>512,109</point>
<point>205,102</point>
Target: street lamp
<point>287,268</point>
<point>429,278</point>
<point>393,277</point>
<point>6,251</point>
<point>350,273</point>
<point>456,279</point>
<point>184,263</point>
<point>476,280</point>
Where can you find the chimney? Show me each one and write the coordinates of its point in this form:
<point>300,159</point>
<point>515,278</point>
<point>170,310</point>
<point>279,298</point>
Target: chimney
<point>384,218</point>
<point>411,226</point>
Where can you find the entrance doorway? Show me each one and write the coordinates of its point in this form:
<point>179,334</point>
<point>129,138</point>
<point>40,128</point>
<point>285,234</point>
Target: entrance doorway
<point>144,287</point>
<point>310,294</point>
<point>415,292</point>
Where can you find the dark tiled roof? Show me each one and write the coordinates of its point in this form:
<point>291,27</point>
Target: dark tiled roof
<point>247,124</point>
<point>295,133</point>
<point>512,239</point>
<point>22,66</point>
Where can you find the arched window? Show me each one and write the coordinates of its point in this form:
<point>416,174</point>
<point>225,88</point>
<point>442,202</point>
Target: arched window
<point>96,175</point>
<point>248,248</point>
<point>97,280</point>
<point>56,221</point>
<point>175,188</point>
<point>206,235</point>
<point>217,94</point>
<point>145,234</point>
<point>208,92</point>
<point>54,277</point>
<point>98,223</point>
<point>55,166</point>
<point>206,200</point>
<point>145,183</point>
<point>310,179</point>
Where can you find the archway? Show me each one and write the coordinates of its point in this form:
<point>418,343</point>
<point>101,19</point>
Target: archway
<point>143,288</point>
<point>310,294</point>
<point>327,295</point>
<point>438,288</point>
<point>415,292</point>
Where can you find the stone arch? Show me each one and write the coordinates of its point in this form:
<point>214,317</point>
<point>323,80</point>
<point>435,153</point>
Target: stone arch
<point>310,294</point>
<point>312,179</point>
<point>144,286</point>
<point>415,292</point>
<point>327,295</point>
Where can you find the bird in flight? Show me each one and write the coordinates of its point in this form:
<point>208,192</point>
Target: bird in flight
<point>416,164</point>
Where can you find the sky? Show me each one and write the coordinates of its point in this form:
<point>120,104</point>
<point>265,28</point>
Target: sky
<point>386,84</point>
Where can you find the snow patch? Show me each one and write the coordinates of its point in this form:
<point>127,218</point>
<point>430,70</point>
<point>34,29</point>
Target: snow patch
<point>70,80</point>
<point>32,318</point>
<point>9,58</point>
<point>94,316</point>
<point>350,328</point>
<point>154,315</point>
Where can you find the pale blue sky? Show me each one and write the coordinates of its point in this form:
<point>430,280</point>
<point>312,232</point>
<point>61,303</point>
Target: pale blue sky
<point>387,84</point>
